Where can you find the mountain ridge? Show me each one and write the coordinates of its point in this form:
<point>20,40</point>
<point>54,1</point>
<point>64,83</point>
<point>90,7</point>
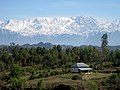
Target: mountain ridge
<point>59,30</point>
<point>60,25</point>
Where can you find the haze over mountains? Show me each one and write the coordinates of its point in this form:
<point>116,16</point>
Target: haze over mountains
<point>60,30</point>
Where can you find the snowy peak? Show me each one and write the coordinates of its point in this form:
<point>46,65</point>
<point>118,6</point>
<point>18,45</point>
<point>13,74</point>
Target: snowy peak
<point>83,26</point>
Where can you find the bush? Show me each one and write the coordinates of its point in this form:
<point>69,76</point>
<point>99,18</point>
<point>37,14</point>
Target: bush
<point>29,69</point>
<point>16,83</point>
<point>92,85</point>
<point>107,64</point>
<point>39,86</point>
<point>45,73</point>
<point>33,76</point>
<point>76,77</point>
<point>40,75</point>
<point>51,73</point>
<point>113,82</point>
<point>62,87</point>
<point>2,66</point>
<point>56,72</point>
<point>16,70</point>
<point>64,71</point>
<point>118,71</point>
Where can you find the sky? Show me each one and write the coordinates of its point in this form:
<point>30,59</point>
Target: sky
<point>24,9</point>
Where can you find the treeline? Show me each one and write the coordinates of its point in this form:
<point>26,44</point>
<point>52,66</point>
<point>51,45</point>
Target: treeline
<point>57,57</point>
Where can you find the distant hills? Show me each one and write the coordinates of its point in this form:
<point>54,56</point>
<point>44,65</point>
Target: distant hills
<point>41,44</point>
<point>49,45</point>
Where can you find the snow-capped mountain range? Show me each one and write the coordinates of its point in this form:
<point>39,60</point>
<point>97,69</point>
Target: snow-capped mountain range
<point>52,29</point>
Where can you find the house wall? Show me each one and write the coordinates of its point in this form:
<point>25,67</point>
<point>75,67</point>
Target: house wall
<point>74,70</point>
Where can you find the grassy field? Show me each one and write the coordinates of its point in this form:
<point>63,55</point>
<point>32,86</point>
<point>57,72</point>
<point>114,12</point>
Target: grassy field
<point>66,79</point>
<point>87,81</point>
<point>96,75</point>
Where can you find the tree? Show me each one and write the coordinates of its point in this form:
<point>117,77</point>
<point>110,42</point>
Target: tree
<point>104,40</point>
<point>2,66</point>
<point>59,50</point>
<point>105,51</point>
<point>7,59</point>
<point>104,44</point>
<point>16,70</point>
<point>32,51</point>
<point>116,58</point>
<point>15,81</point>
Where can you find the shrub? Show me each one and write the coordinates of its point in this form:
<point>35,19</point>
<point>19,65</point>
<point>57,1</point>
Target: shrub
<point>64,71</point>
<point>118,71</point>
<point>56,72</point>
<point>16,83</point>
<point>62,87</point>
<point>40,75</point>
<point>76,77</point>
<point>92,85</point>
<point>16,70</point>
<point>51,73</point>
<point>46,74</point>
<point>2,66</point>
<point>33,76</point>
<point>113,82</point>
<point>39,86</point>
<point>29,69</point>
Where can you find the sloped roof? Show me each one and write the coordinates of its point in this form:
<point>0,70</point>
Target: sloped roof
<point>83,69</point>
<point>80,65</point>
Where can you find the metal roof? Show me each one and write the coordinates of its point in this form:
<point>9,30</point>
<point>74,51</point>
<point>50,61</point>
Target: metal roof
<point>80,65</point>
<point>83,69</point>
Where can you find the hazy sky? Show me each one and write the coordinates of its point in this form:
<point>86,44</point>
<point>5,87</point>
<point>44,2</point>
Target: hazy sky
<point>21,9</point>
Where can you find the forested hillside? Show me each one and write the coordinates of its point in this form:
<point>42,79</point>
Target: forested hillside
<point>17,62</point>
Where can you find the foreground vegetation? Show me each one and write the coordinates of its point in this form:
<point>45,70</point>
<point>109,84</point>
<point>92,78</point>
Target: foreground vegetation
<point>50,69</point>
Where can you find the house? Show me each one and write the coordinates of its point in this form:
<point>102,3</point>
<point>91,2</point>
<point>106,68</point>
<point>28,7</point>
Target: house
<point>80,67</point>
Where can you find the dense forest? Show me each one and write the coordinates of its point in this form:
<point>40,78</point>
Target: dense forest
<point>39,62</point>
<point>56,57</point>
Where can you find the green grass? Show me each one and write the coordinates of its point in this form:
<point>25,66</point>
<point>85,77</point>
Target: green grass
<point>52,81</point>
<point>96,75</point>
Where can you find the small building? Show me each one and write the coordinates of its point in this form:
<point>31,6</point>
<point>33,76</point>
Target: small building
<point>81,67</point>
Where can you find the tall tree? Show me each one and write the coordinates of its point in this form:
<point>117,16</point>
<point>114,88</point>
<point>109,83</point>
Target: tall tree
<point>104,52</point>
<point>104,40</point>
